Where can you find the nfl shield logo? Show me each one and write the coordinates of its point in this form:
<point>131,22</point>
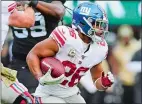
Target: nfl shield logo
<point>72,53</point>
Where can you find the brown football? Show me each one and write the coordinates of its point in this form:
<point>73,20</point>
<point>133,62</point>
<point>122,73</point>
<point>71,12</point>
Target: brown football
<point>57,68</point>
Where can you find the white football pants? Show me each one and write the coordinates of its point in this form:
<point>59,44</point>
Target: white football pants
<point>77,98</point>
<point>8,95</point>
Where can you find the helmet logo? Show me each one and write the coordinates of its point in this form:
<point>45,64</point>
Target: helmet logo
<point>85,10</point>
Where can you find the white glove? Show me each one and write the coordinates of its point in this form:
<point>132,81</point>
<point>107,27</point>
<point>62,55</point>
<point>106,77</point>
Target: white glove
<point>47,79</point>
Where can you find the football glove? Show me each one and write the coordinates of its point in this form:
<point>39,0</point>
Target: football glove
<point>47,79</point>
<point>107,80</point>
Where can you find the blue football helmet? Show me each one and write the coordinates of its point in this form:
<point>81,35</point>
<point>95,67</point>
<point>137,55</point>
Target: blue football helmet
<point>91,20</point>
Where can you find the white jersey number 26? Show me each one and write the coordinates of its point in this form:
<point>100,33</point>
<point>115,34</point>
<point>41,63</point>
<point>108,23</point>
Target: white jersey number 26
<point>74,72</point>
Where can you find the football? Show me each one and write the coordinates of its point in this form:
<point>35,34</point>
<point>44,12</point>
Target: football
<point>57,68</point>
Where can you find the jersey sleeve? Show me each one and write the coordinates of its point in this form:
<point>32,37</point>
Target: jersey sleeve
<point>59,35</point>
<point>8,6</point>
<point>105,51</point>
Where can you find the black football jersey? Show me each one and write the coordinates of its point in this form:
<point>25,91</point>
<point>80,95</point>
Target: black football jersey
<point>26,38</point>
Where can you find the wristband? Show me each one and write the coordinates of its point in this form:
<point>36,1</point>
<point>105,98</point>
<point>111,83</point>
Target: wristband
<point>38,76</point>
<point>102,85</point>
<point>33,3</point>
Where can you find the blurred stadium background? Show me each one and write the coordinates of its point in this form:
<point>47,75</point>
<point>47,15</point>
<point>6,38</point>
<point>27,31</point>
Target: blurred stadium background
<point>124,56</point>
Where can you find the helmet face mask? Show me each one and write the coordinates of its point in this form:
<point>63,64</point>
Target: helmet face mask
<point>93,24</point>
<point>99,28</point>
<point>100,25</point>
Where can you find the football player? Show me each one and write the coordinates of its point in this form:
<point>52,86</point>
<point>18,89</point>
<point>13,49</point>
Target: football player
<point>11,16</point>
<point>12,90</point>
<point>47,15</point>
<point>80,48</point>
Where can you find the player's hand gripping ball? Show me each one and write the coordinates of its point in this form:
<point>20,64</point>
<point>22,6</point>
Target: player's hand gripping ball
<point>56,67</point>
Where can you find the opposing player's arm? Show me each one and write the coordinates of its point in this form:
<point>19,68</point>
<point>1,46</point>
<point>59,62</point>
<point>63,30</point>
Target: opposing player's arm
<point>55,8</point>
<point>45,48</point>
<point>23,19</point>
<point>101,81</point>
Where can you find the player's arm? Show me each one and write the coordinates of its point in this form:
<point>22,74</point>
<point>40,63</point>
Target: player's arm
<point>45,48</point>
<point>22,19</point>
<point>55,8</point>
<point>101,81</point>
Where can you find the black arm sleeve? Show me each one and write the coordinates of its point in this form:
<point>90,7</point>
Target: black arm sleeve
<point>49,1</point>
<point>63,1</point>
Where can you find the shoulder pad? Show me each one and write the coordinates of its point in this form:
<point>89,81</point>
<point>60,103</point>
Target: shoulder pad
<point>62,34</point>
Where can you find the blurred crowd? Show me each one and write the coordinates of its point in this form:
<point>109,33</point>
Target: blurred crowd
<point>124,61</point>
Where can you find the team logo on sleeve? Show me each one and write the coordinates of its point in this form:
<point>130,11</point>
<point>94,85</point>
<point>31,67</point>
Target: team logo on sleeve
<point>72,53</point>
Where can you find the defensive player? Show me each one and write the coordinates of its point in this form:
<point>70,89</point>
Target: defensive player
<point>11,16</point>
<point>12,90</point>
<point>47,15</point>
<point>79,48</point>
